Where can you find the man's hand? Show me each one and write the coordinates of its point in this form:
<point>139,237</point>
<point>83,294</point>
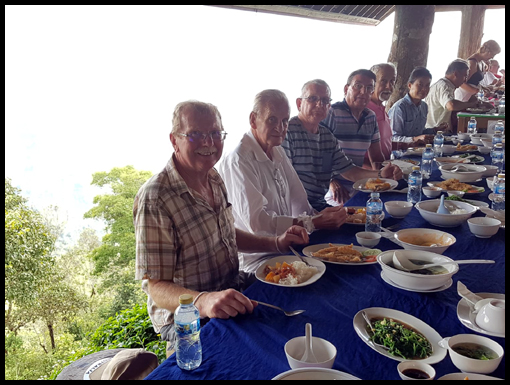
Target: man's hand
<point>331,218</point>
<point>390,171</point>
<point>295,235</point>
<point>224,304</point>
<point>340,193</point>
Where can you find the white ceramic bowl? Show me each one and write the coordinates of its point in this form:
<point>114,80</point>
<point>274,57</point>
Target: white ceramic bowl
<point>427,369</point>
<point>431,192</point>
<point>449,149</point>
<point>456,193</point>
<point>484,227</point>
<point>314,374</point>
<point>428,208</point>
<point>472,174</point>
<point>472,365</point>
<point>490,182</point>
<point>484,150</point>
<point>491,316</point>
<point>477,138</point>
<point>486,142</point>
<point>398,209</point>
<point>491,170</point>
<point>416,281</point>
<point>449,160</point>
<point>418,239</point>
<point>368,238</point>
<point>463,136</point>
<point>324,351</point>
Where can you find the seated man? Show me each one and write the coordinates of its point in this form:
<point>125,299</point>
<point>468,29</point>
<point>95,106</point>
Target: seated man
<point>185,236</point>
<point>315,153</point>
<point>409,114</point>
<point>266,193</point>
<point>441,100</point>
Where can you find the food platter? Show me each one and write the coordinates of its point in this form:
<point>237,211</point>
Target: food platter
<point>308,250</point>
<point>472,190</point>
<point>468,318</point>
<point>357,208</point>
<point>471,158</point>
<point>321,268</point>
<point>360,326</point>
<point>360,184</point>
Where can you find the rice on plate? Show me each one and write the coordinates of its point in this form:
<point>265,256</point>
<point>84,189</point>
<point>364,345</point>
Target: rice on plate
<point>289,274</point>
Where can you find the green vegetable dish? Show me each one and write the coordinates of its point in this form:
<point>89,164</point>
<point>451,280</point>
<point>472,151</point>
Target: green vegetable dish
<point>401,341</point>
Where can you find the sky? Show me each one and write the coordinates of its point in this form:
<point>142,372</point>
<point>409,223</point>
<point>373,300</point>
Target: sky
<point>90,88</point>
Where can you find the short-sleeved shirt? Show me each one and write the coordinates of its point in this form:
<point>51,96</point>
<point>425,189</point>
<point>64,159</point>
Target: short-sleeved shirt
<point>317,159</point>
<point>408,119</point>
<point>181,238</point>
<point>441,92</point>
<point>355,136</point>
<point>383,123</point>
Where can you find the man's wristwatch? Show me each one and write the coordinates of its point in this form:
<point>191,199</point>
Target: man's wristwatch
<point>379,173</point>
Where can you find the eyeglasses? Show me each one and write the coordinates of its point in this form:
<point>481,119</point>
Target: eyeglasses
<point>196,136</point>
<point>314,99</point>
<point>359,87</point>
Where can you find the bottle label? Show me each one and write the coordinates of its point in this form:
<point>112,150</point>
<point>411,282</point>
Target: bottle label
<point>499,189</point>
<point>187,328</point>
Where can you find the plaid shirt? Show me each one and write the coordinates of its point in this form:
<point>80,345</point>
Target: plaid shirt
<point>180,238</point>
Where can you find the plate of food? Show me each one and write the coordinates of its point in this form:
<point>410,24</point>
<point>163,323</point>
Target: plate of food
<point>341,254</point>
<point>290,271</point>
<point>357,215</point>
<point>468,318</point>
<point>414,151</point>
<point>374,185</point>
<point>478,110</point>
<point>466,147</point>
<point>470,201</point>
<point>470,158</point>
<point>408,337</point>
<point>454,184</point>
<point>402,163</point>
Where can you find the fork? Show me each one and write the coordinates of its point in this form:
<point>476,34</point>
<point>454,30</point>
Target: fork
<point>299,256</point>
<point>287,313</point>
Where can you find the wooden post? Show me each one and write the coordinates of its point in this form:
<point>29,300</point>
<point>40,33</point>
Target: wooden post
<point>471,30</point>
<point>410,47</point>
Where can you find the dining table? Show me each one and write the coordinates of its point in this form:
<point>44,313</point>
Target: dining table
<point>251,346</point>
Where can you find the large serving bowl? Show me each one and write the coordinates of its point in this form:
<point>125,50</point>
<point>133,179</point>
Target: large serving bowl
<point>484,150</point>
<point>467,172</point>
<point>449,149</point>
<point>422,239</point>
<point>491,170</point>
<point>472,365</point>
<point>416,281</point>
<point>428,208</point>
<point>486,142</point>
<point>477,138</point>
<point>441,160</point>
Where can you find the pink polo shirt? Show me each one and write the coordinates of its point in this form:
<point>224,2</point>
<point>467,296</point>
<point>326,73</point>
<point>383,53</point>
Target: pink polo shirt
<point>383,122</point>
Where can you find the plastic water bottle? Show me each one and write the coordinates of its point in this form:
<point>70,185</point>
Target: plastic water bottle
<point>188,348</point>
<point>498,202</point>
<point>471,128</point>
<point>500,126</point>
<point>497,138</point>
<point>374,213</point>
<point>426,161</point>
<point>497,155</point>
<point>414,181</point>
<point>501,107</point>
<point>438,144</point>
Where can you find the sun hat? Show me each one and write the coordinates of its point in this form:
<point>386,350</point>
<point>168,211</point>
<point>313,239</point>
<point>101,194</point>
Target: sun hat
<point>128,364</point>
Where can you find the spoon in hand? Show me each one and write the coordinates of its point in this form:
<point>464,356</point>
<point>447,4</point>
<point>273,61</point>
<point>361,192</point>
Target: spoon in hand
<point>406,265</point>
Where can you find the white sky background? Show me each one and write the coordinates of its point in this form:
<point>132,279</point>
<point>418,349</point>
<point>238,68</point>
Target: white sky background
<point>89,88</point>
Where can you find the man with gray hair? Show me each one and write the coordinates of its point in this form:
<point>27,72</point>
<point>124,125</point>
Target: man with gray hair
<point>441,98</point>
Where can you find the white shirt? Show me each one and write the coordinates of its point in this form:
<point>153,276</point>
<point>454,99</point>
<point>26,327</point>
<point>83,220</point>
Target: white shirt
<point>439,95</point>
<point>488,78</point>
<point>266,195</point>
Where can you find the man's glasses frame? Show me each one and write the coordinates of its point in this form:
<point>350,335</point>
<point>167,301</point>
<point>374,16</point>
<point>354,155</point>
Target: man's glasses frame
<point>314,99</point>
<point>195,136</point>
<point>360,86</point>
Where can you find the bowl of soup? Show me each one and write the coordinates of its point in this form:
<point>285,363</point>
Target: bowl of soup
<point>473,353</point>
<point>435,241</point>
<point>422,279</point>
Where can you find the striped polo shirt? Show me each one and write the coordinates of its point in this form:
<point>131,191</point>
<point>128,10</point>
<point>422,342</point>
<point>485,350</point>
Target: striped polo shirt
<point>355,136</point>
<point>317,158</point>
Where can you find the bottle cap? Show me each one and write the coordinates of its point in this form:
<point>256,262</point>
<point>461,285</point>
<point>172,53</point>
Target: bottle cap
<point>497,132</point>
<point>374,195</point>
<point>416,168</point>
<point>185,299</point>
<point>499,145</point>
<point>501,176</point>
<point>428,145</point>
<point>473,117</point>
<point>440,132</point>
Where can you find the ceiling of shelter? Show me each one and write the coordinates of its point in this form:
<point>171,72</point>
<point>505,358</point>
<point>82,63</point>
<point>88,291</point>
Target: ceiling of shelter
<point>351,14</point>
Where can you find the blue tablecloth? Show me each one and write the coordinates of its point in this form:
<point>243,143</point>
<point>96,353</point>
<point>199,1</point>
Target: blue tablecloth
<point>251,346</point>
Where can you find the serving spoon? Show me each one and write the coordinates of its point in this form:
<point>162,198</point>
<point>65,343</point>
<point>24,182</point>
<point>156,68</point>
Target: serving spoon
<point>308,356</point>
<point>441,209</point>
<point>372,329</point>
<point>405,264</point>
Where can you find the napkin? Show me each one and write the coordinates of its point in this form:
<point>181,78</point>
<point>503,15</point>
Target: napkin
<point>464,292</point>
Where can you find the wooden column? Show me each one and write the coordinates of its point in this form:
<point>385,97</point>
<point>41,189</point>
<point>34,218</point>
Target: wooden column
<point>471,30</point>
<point>410,47</point>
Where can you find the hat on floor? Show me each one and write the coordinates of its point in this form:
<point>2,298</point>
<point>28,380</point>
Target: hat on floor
<point>128,364</point>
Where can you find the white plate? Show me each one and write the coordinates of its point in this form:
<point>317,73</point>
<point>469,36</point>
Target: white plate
<point>360,184</point>
<point>471,376</point>
<point>314,374</point>
<point>440,288</point>
<point>308,250</point>
<point>469,181</point>
<point>471,159</point>
<point>480,189</point>
<point>360,326</point>
<point>414,151</point>
<point>321,268</point>
<point>402,163</point>
<point>359,224</point>
<point>468,319</point>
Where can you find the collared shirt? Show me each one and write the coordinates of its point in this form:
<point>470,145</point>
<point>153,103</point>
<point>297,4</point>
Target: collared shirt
<point>408,119</point>
<point>181,238</point>
<point>383,122</point>
<point>317,159</point>
<point>441,92</point>
<point>266,194</point>
<point>355,136</point>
